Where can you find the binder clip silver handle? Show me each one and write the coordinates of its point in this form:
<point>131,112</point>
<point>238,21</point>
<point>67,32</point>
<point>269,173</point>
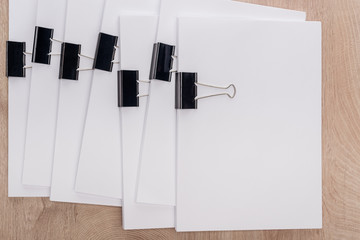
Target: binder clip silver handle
<point>218,87</point>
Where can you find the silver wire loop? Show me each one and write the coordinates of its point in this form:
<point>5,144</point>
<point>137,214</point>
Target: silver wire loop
<point>27,53</point>
<point>81,55</point>
<point>218,87</point>
<point>84,69</point>
<point>55,40</point>
<point>174,57</point>
<point>143,81</point>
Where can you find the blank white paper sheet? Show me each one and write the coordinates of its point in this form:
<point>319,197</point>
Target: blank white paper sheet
<point>22,19</point>
<point>137,36</point>
<point>99,170</point>
<point>157,174</point>
<point>83,21</point>
<point>43,100</point>
<point>252,162</point>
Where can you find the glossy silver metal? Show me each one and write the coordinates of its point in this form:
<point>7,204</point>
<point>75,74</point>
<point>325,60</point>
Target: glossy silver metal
<point>81,55</point>
<point>55,40</point>
<point>218,94</point>
<point>84,69</point>
<point>88,57</point>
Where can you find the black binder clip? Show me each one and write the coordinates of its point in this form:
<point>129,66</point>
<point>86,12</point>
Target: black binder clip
<point>69,61</point>
<point>105,52</point>
<point>128,88</point>
<point>15,59</point>
<point>42,45</point>
<point>186,90</point>
<point>162,62</point>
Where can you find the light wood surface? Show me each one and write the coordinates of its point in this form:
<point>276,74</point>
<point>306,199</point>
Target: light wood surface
<point>38,218</point>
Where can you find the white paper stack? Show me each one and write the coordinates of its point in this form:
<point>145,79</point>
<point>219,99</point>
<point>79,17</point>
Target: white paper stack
<point>22,18</point>
<point>231,142</point>
<point>256,162</point>
<point>43,100</point>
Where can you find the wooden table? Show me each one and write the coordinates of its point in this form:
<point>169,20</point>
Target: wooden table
<point>38,218</point>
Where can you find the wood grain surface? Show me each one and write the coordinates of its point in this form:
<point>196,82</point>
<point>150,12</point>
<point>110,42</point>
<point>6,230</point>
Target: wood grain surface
<point>38,218</point>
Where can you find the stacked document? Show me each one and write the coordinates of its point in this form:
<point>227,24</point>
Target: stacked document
<point>198,115</point>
